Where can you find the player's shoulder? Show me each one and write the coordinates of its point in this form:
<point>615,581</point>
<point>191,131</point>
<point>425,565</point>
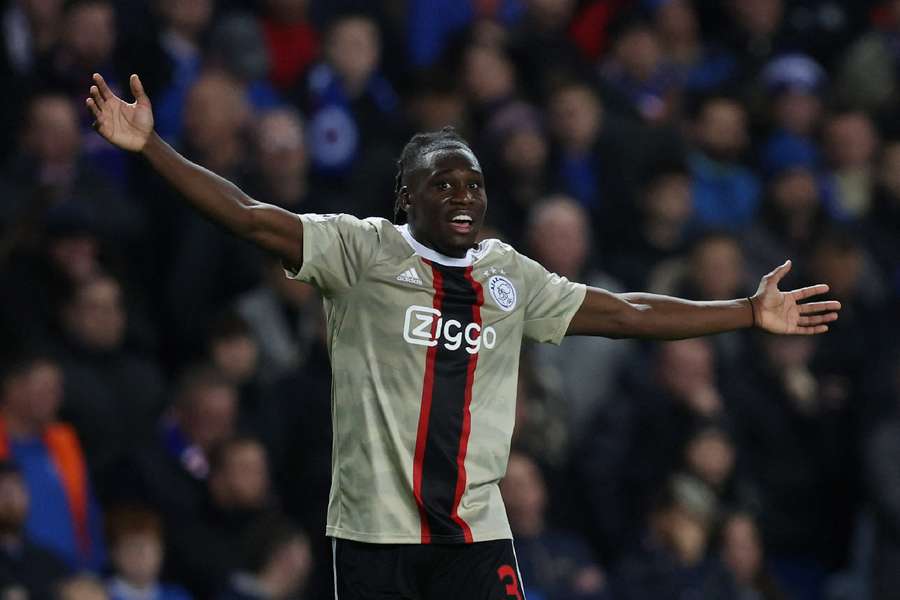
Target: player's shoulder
<point>493,248</point>
<point>346,219</point>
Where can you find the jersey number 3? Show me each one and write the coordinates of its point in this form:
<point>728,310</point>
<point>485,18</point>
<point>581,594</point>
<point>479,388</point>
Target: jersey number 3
<point>507,575</point>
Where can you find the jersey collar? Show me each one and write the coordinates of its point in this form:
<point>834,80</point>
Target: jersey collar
<point>434,256</point>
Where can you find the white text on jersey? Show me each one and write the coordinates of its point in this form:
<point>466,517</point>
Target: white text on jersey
<point>421,319</point>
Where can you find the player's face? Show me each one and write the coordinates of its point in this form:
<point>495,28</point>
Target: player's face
<point>446,201</point>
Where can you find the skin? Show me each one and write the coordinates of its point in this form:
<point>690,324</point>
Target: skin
<point>447,183</point>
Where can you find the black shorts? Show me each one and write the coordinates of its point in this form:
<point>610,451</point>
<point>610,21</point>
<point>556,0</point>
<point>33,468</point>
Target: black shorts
<point>479,571</point>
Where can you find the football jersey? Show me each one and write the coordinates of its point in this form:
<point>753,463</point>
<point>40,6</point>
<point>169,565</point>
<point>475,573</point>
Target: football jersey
<point>424,354</point>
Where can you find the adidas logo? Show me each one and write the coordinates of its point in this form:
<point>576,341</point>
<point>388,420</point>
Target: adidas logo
<point>409,276</point>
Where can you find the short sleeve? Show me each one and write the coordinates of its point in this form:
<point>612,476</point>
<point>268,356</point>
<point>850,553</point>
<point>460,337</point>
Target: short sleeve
<point>337,250</point>
<point>552,302</point>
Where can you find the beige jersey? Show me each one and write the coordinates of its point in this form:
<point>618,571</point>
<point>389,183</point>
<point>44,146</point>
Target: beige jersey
<point>425,356</point>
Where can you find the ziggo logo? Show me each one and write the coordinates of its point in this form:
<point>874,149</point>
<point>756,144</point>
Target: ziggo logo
<point>420,320</point>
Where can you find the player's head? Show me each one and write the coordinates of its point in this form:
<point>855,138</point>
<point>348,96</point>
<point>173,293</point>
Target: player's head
<point>440,187</point>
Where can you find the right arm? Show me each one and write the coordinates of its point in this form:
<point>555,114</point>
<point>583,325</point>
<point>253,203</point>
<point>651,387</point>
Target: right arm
<point>130,127</point>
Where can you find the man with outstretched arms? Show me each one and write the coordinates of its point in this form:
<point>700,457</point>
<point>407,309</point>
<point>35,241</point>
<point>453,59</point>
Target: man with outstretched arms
<point>424,331</point>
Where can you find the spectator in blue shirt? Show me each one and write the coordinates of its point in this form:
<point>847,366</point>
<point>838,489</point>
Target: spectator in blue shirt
<point>64,515</point>
<point>726,193</point>
<point>136,550</point>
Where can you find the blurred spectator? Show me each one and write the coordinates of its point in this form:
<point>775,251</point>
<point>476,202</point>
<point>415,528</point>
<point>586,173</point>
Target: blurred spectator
<point>432,23</point>
<point>437,103</point>
<point>700,66</point>
<point>51,170</point>
<point>31,30</point>
<point>794,84</point>
<point>842,356</point>
<point>211,265</point>
<point>664,209</point>
<point>541,47</point>
<point>795,439</point>
<point>851,145</point>
<point>82,587</point>
<point>726,193</point>
<point>41,266</point>
<point>791,218</point>
<point>234,352</point>
<point>208,548</point>
<point>867,73</point>
<point>113,396</point>
<point>182,27</point>
<point>281,161</point>
<point>559,237</point>
<point>296,421</point>
<point>540,427</point>
<point>672,560</point>
<point>136,551</point>
<point>88,45</point>
<point>636,69</point>
<point>559,564</point>
<point>237,45</point>
<point>710,456</point>
<point>27,569</point>
<point>352,107</point>
<point>276,566</point>
<point>882,483</point>
<point>757,31</point>
<point>292,40</point>
<point>519,152</point>
<point>713,269</point>
<point>591,25</point>
<point>588,163</point>
<point>216,118</point>
<point>63,514</point>
<point>170,474</point>
<point>741,549</point>
<point>884,217</point>
<point>617,470</point>
<point>488,75</point>
<point>283,315</point>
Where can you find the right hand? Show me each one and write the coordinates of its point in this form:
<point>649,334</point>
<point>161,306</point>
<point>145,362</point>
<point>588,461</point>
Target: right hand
<point>125,125</point>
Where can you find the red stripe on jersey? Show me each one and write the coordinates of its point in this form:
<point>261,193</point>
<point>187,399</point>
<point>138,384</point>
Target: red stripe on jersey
<point>467,414</point>
<point>425,410</point>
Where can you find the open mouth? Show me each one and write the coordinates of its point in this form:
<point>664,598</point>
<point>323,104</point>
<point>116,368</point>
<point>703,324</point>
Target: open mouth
<point>462,223</point>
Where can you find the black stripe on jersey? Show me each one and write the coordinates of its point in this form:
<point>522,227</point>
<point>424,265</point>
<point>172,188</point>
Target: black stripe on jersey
<point>445,424</point>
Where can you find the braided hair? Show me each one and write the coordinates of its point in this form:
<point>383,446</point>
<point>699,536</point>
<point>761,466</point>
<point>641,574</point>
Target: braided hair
<point>418,146</point>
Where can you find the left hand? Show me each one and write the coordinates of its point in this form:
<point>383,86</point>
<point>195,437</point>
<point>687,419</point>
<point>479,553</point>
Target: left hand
<point>781,312</point>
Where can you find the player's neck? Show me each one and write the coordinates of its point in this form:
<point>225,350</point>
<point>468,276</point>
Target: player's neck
<point>426,248</point>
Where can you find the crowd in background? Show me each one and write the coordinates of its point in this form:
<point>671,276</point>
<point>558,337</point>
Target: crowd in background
<point>165,392</point>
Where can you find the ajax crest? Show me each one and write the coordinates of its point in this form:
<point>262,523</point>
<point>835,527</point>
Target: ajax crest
<point>503,292</point>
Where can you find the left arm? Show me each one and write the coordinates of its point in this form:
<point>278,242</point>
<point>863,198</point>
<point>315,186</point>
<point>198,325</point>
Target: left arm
<point>653,316</point>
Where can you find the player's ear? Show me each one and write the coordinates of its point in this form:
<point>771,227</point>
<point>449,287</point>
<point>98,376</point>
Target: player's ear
<point>404,198</point>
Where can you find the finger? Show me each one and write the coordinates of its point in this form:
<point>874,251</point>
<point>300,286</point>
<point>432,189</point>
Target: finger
<point>817,307</point>
<point>812,330</point>
<point>137,88</point>
<point>817,319</point>
<point>813,290</point>
<point>94,109</point>
<point>779,272</point>
<point>105,92</point>
<point>95,94</point>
